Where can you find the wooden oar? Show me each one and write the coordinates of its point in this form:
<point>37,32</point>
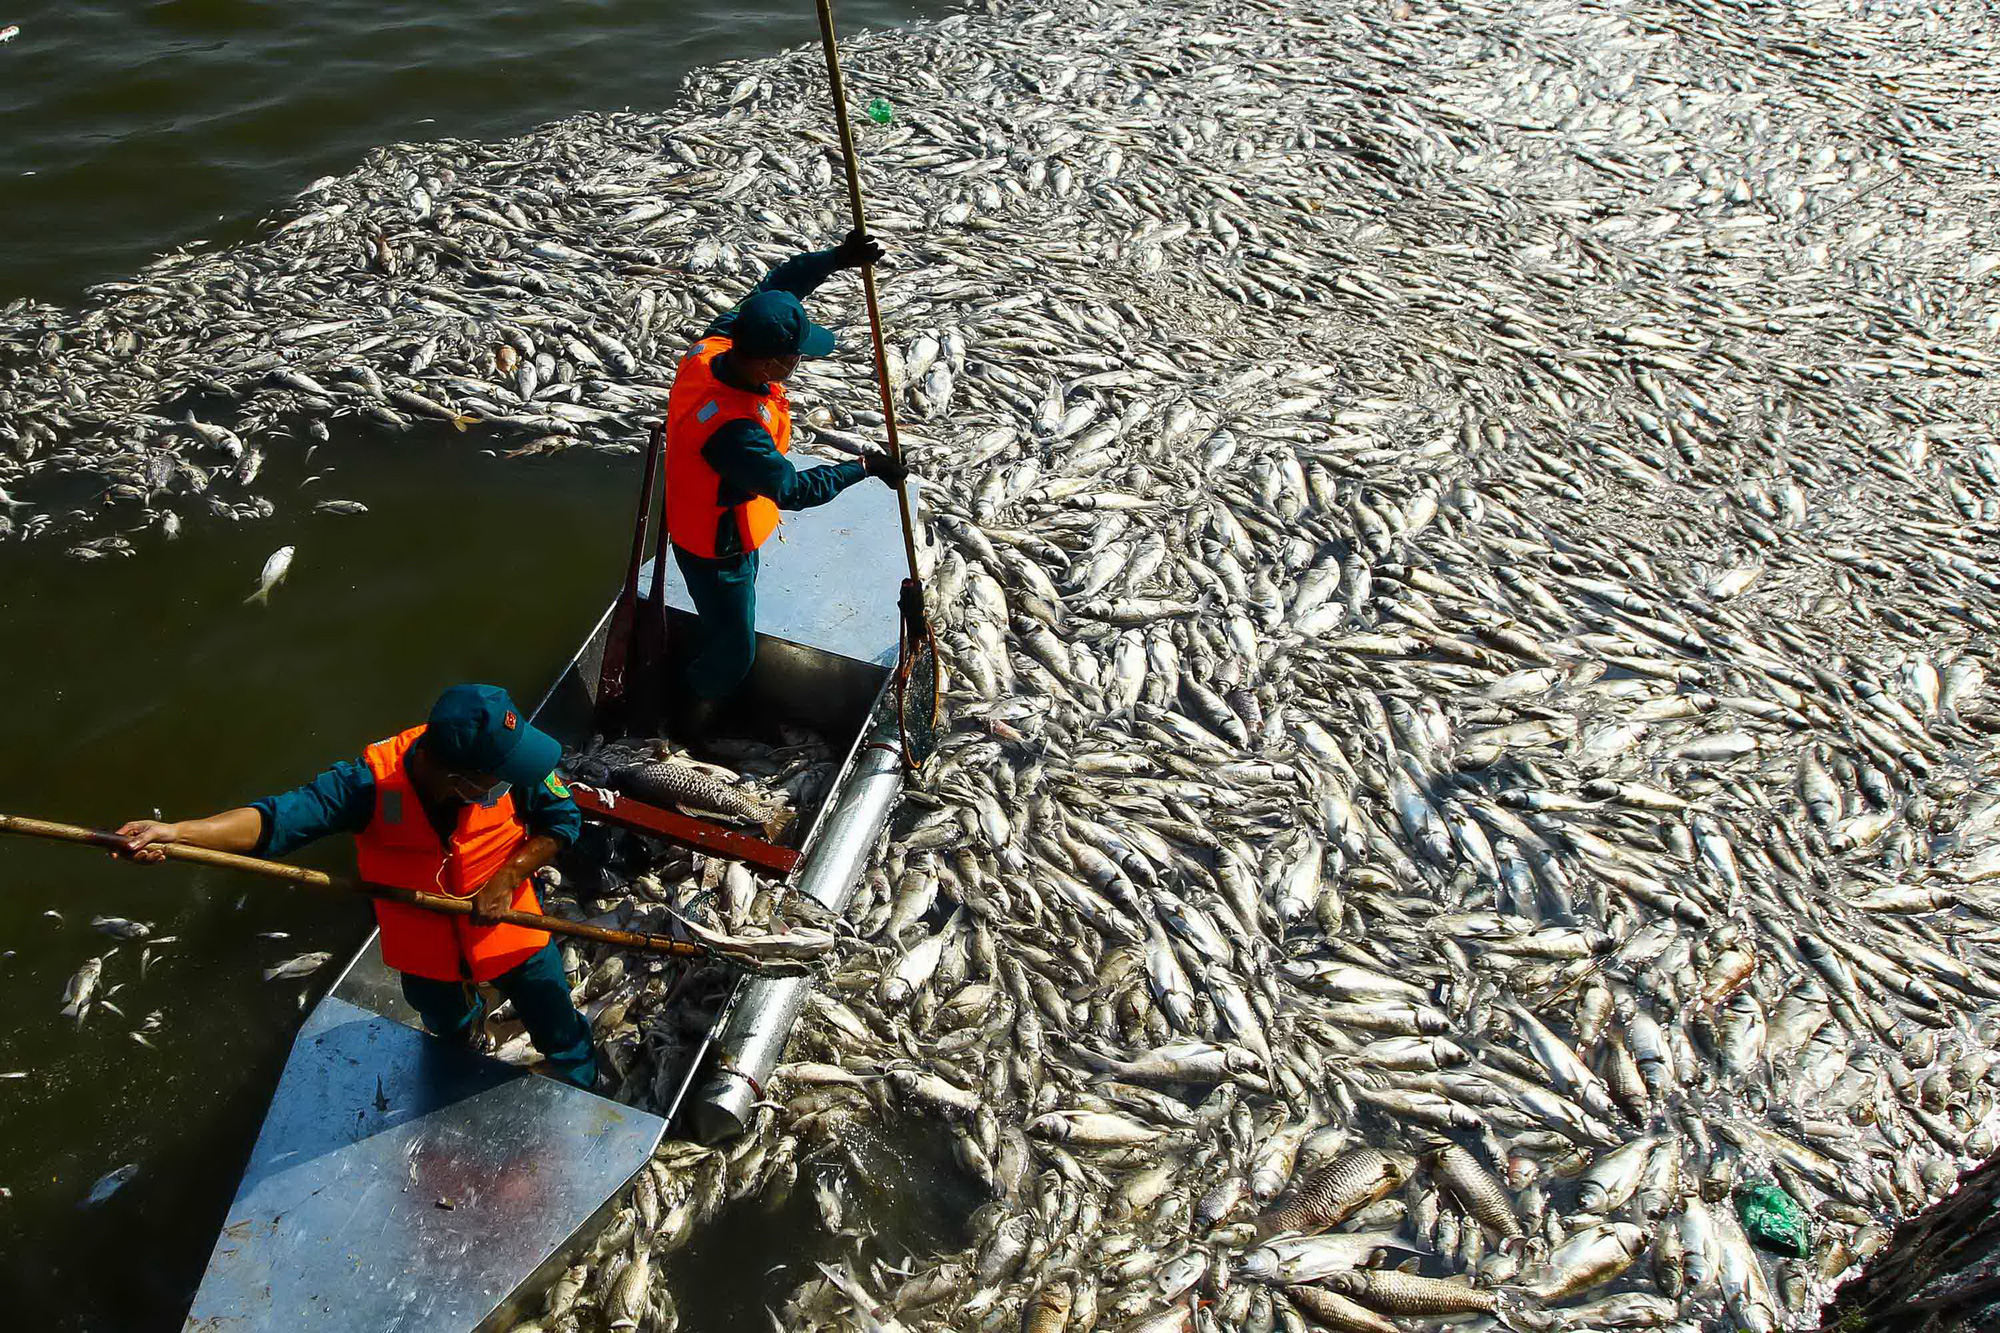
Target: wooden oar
<point>430,902</point>
<point>613,685</point>
<point>648,693</point>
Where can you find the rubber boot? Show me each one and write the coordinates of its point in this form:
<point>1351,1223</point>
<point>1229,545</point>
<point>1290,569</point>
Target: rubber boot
<point>592,1074</point>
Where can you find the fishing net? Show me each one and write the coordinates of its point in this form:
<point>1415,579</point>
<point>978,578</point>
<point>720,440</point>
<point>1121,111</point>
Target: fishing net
<point>919,688</point>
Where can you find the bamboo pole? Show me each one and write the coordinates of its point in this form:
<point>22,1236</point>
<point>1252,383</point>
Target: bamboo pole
<point>915,636</point>
<point>430,902</point>
<point>867,277</point>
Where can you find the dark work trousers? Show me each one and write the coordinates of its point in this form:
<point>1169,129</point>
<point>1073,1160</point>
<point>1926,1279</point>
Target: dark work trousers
<point>724,593</point>
<point>540,992</point>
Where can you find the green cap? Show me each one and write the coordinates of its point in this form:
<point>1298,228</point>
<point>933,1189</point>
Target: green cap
<point>476,729</point>
<point>775,324</point>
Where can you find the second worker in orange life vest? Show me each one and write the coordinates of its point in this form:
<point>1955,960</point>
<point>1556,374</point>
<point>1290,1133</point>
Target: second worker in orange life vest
<point>729,428</point>
<point>467,805</point>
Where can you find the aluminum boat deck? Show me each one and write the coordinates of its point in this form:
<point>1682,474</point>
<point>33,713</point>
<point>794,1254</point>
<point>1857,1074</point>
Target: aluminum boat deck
<point>401,1183</point>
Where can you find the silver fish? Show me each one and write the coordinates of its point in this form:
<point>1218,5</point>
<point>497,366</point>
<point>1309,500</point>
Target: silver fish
<point>292,969</point>
<point>275,568</point>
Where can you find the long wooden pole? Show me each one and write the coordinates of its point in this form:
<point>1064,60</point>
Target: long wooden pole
<point>915,633</point>
<point>430,902</point>
<point>867,277</point>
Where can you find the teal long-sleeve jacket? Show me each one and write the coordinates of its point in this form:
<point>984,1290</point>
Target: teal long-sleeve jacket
<point>342,800</point>
<point>743,453</point>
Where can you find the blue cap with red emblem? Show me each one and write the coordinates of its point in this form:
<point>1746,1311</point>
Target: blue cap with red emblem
<point>476,729</point>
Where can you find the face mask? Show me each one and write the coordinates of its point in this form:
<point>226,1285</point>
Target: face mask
<point>466,791</point>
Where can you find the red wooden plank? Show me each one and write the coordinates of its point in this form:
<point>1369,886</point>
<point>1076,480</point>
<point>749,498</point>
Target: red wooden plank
<point>684,829</point>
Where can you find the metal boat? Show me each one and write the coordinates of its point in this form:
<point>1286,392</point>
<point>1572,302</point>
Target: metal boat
<point>400,1182</point>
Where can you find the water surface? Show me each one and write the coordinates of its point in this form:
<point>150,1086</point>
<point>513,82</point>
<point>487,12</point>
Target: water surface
<point>147,684</point>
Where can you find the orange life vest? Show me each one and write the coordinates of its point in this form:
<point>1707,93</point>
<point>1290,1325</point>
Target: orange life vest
<point>399,848</point>
<point>698,405</point>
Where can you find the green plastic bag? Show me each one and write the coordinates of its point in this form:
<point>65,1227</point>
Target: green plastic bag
<point>1774,1221</point>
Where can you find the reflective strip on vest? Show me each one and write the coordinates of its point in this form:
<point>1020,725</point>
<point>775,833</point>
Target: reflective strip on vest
<point>399,851</point>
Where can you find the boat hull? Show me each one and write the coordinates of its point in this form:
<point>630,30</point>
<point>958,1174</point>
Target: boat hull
<point>401,1182</point>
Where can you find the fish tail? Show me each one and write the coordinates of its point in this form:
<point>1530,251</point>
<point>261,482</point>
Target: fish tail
<point>262,597</point>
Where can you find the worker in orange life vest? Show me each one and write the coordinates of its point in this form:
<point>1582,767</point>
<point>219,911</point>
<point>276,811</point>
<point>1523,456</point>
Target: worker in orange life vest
<point>729,428</point>
<point>467,805</point>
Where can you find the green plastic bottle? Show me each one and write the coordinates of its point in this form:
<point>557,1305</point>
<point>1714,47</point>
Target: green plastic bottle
<point>880,111</point>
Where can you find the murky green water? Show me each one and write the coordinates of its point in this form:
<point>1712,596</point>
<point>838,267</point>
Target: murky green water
<point>148,683</point>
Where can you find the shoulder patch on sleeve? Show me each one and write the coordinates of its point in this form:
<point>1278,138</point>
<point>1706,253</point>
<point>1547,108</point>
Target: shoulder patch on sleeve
<point>556,788</point>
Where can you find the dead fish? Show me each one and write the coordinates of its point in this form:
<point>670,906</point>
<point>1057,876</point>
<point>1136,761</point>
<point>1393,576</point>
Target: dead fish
<point>1336,1191</point>
<point>628,1295</point>
<point>219,437</point>
<point>122,928</point>
<point>668,782</point>
<point>1288,1260</point>
<point>872,1316</point>
<point>1476,1189</point>
<point>796,946</point>
<point>275,568</point>
<point>1331,1310</point>
<point>304,965</point>
<point>1093,1129</point>
<point>76,995</point>
<point>1048,1311</point>
<point>110,1183</point>
<point>1590,1257</point>
<point>1409,1296</point>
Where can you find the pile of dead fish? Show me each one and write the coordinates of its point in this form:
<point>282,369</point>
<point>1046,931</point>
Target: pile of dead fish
<point>648,1016</point>
<point>1465,555</point>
